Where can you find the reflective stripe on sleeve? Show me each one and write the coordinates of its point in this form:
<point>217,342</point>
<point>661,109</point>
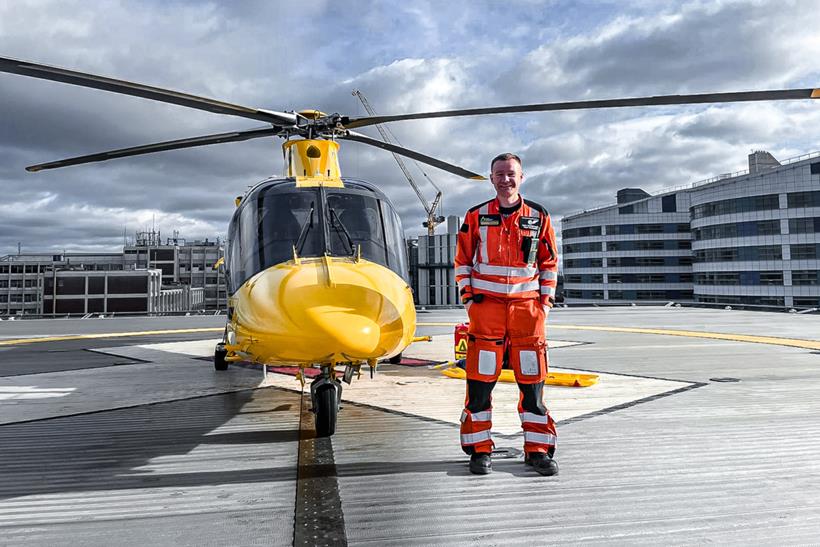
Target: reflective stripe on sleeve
<point>530,418</point>
<point>489,269</point>
<point>474,438</point>
<point>505,288</point>
<point>464,270</point>
<point>540,438</point>
<point>464,283</point>
<point>549,291</point>
<point>548,275</point>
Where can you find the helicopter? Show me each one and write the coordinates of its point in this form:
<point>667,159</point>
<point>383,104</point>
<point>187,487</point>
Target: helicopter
<point>314,261</point>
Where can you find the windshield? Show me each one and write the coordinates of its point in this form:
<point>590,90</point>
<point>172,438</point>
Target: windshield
<point>275,218</point>
<point>355,221</point>
<point>271,223</point>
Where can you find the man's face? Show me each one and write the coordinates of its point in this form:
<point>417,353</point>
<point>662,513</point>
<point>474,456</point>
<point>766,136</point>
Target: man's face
<point>506,177</point>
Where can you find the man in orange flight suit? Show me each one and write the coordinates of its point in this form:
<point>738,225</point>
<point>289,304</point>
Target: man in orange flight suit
<point>507,269</point>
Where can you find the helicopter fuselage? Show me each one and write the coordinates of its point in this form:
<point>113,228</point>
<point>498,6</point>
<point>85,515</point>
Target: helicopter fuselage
<point>317,274</point>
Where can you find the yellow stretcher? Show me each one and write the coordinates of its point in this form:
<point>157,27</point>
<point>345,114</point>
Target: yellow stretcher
<point>567,379</point>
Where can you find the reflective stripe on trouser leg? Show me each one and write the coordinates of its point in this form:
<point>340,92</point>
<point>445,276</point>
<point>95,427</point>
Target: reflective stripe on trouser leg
<point>476,418</point>
<point>539,428</point>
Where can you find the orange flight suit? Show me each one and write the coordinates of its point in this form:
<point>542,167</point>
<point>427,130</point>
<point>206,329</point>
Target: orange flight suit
<point>507,265</point>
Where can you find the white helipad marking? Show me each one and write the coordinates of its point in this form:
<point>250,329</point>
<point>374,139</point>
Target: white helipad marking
<point>425,392</point>
<point>428,393</point>
<point>33,392</point>
<point>195,348</point>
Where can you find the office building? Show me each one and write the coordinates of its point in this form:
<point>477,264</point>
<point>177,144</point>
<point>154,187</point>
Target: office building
<point>748,238</point>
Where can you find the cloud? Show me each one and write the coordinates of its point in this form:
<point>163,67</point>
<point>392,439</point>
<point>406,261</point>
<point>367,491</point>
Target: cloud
<point>405,57</point>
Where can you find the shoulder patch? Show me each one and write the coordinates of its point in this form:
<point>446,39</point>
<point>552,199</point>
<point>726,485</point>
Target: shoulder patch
<point>479,206</point>
<point>537,206</point>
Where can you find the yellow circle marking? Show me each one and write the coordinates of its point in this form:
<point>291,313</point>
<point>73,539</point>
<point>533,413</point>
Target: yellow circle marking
<point>19,341</point>
<point>773,340</point>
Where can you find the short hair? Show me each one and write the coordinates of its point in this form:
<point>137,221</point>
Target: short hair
<point>504,157</point>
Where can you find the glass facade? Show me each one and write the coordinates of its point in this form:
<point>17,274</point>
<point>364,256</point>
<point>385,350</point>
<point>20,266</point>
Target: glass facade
<point>803,199</point>
<point>582,232</point>
<point>744,204</point>
<point>810,225</point>
<point>740,278</point>
<point>738,229</point>
<point>739,254</point>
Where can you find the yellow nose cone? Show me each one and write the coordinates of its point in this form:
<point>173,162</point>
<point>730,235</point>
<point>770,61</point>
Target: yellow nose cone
<point>351,334</point>
<point>319,312</point>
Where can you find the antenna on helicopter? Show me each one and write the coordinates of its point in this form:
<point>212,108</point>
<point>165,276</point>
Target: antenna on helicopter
<point>433,220</point>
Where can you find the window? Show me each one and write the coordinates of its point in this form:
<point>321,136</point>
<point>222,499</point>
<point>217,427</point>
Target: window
<point>649,229</point>
<point>118,284</point>
<point>814,169</point>
<point>806,277</point>
<point>804,225</point>
<point>735,254</point>
<point>805,251</point>
<point>620,229</point>
<point>736,205</point>
<point>649,261</point>
<point>71,305</point>
<point>804,199</point>
<point>669,204</point>
<point>740,229</point>
<point>96,284</point>
<point>590,247</point>
<point>650,278</point>
<point>70,285</point>
<point>586,231</point>
<point>771,278</point>
<point>120,305</point>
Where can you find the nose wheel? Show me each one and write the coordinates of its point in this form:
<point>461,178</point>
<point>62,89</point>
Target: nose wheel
<point>326,396</point>
<point>220,353</point>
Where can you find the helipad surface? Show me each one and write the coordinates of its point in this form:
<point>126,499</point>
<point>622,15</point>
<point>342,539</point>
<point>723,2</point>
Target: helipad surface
<point>703,427</point>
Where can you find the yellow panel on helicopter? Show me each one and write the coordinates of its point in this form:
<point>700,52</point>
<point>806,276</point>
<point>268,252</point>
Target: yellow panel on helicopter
<point>313,162</point>
<point>292,313</point>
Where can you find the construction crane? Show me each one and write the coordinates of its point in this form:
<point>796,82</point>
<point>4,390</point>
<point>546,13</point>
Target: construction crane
<point>433,220</point>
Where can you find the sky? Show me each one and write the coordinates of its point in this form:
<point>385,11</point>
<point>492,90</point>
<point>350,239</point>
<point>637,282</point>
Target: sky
<point>405,57</point>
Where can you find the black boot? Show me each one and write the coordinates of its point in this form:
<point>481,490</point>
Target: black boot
<point>481,463</point>
<point>542,463</point>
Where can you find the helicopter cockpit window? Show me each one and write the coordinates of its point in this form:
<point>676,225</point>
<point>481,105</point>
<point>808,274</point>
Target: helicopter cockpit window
<point>354,220</point>
<point>271,224</point>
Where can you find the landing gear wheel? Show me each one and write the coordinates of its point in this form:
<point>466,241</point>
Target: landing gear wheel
<point>326,409</point>
<point>395,360</point>
<point>219,357</point>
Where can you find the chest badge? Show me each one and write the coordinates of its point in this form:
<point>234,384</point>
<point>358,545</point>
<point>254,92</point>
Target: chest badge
<point>529,223</point>
<point>489,220</point>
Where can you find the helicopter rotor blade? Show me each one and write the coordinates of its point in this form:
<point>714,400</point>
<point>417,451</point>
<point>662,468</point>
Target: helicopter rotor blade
<point>658,100</point>
<point>56,74</point>
<point>443,165</point>
<point>160,147</point>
